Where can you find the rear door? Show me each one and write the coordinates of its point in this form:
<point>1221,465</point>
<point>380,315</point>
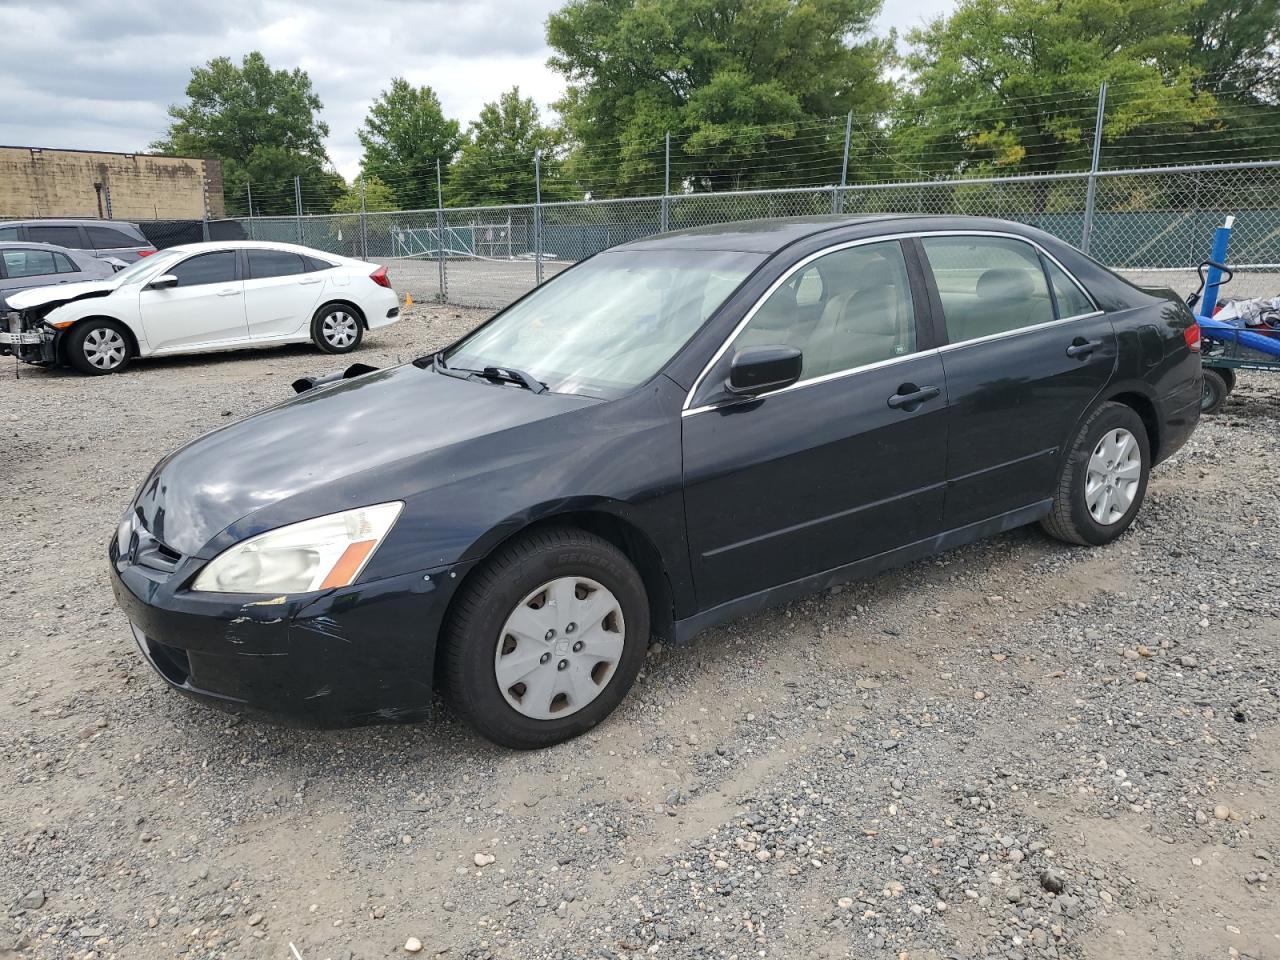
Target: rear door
<point>205,308</point>
<point>59,234</point>
<point>846,464</point>
<point>1026,354</point>
<point>280,291</point>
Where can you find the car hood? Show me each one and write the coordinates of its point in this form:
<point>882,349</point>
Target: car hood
<point>366,440</point>
<point>59,292</point>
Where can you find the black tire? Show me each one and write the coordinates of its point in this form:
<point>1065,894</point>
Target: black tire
<point>1215,393</point>
<point>492,594</point>
<point>99,346</point>
<point>1070,519</point>
<point>337,328</point>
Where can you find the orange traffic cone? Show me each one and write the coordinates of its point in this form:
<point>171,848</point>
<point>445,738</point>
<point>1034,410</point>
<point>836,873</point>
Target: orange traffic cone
<point>408,299</point>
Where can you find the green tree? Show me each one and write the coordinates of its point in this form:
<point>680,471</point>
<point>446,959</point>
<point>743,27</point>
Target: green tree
<point>495,163</point>
<point>403,136</point>
<point>740,85</point>
<point>1236,45</point>
<point>263,125</point>
<point>1010,86</point>
<point>377,197</point>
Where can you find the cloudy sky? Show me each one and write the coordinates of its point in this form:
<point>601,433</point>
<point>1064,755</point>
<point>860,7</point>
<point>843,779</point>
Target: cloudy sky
<point>96,75</point>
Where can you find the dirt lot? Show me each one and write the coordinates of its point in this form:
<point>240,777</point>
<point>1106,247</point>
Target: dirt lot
<point>1018,749</point>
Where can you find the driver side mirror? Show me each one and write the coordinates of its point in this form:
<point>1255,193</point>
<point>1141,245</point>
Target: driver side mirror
<point>163,282</point>
<point>757,370</point>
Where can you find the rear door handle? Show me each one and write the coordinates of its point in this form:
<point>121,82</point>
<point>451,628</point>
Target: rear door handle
<point>1080,347</point>
<point>909,396</point>
<point>310,280</point>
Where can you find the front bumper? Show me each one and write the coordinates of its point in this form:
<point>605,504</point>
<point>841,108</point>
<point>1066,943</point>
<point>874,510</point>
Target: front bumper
<point>32,342</point>
<point>361,654</point>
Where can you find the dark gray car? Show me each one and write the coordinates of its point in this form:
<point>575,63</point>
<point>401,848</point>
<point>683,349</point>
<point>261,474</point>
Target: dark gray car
<point>98,238</point>
<point>27,265</point>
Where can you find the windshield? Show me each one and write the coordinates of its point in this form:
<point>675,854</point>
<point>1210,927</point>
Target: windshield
<point>144,265</point>
<point>610,323</point>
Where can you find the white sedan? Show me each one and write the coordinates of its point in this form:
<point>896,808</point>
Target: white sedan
<point>200,298</point>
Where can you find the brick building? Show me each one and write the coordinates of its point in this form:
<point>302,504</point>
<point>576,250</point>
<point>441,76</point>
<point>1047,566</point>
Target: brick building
<point>36,182</point>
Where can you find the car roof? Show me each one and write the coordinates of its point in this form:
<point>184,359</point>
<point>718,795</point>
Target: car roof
<point>769,236</point>
<point>67,222</point>
<point>34,245</point>
<point>255,245</point>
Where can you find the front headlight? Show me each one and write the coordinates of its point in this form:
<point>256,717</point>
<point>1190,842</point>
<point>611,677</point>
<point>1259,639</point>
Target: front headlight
<point>312,555</point>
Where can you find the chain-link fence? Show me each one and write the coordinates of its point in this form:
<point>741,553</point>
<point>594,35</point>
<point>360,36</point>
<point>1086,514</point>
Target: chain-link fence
<point>1154,225</point>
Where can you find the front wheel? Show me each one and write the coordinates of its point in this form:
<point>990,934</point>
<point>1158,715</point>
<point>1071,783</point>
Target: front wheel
<point>1103,479</point>
<point>546,639</point>
<point>337,328</point>
<point>99,346</point>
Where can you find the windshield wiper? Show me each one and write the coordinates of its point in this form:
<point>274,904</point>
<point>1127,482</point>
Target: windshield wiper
<point>512,375</point>
<point>520,378</point>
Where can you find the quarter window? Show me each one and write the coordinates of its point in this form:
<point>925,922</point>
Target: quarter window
<point>1071,299</point>
<point>108,238</point>
<point>28,263</point>
<point>219,267</point>
<point>988,285</point>
<point>8,233</point>
<point>64,263</point>
<point>274,263</point>
<point>846,309</point>
<point>59,236</point>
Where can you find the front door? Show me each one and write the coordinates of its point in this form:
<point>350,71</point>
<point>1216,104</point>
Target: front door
<point>1027,355</point>
<point>846,464</point>
<point>205,307</point>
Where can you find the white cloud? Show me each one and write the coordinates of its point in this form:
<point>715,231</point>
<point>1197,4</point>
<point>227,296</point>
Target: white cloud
<point>94,75</point>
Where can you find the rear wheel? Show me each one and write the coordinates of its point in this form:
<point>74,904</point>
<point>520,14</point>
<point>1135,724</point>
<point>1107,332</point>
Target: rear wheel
<point>546,639</point>
<point>337,328</point>
<point>100,346</point>
<point>1103,479</point>
<point>1215,392</point>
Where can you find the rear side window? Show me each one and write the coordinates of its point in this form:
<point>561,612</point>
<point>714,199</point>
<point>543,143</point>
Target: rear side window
<point>29,263</point>
<point>219,267</point>
<point>1071,299</point>
<point>59,236</point>
<point>274,263</point>
<point>109,238</point>
<point>988,285</point>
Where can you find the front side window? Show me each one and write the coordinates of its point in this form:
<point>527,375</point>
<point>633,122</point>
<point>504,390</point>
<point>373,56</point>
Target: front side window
<point>610,323</point>
<point>847,309</point>
<point>1071,299</point>
<point>217,267</point>
<point>988,285</point>
<point>274,263</point>
<point>58,236</point>
<point>28,263</point>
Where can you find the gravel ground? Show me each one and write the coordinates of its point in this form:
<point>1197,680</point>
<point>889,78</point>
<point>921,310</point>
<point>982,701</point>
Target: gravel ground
<point>1018,749</point>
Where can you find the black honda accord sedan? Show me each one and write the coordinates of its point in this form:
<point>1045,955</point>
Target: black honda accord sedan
<point>672,433</point>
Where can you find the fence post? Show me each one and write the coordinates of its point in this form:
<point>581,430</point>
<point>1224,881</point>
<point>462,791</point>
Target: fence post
<point>537,217</point>
<point>666,188</point>
<point>204,198</point>
<point>364,242</point>
<point>1092,189</point>
<point>248,192</point>
<point>444,276</point>
<point>837,199</point>
<point>297,199</point>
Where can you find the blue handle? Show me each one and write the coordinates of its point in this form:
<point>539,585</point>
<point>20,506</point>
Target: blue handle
<point>1221,238</point>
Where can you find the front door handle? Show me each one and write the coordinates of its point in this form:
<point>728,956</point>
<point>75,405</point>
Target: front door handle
<point>1080,347</point>
<point>228,293</point>
<point>909,396</point>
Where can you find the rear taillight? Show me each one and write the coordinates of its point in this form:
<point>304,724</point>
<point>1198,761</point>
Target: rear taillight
<point>1192,336</point>
<point>146,253</point>
<point>380,277</point>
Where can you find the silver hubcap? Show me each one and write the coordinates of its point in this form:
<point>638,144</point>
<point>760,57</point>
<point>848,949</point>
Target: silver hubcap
<point>559,648</point>
<point>1112,481</point>
<point>339,329</point>
<point>104,348</point>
